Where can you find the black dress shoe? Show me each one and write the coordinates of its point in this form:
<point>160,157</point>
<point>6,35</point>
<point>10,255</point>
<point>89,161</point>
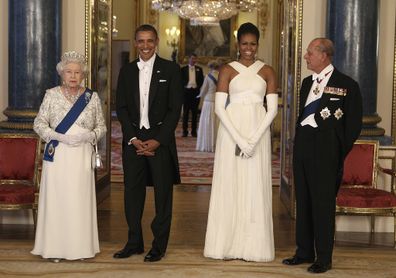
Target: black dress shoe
<point>185,134</point>
<point>127,252</point>
<point>193,134</point>
<point>153,256</point>
<point>319,267</point>
<point>296,260</point>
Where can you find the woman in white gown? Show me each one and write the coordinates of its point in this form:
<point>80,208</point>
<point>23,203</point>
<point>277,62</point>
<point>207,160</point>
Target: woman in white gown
<point>208,122</point>
<point>240,211</point>
<point>67,222</point>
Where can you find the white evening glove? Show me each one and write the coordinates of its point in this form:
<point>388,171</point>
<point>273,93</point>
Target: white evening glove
<point>86,137</point>
<point>220,102</point>
<point>64,138</point>
<point>272,110</point>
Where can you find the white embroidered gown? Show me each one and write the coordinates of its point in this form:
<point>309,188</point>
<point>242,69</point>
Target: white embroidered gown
<point>240,212</point>
<point>208,122</point>
<point>67,222</point>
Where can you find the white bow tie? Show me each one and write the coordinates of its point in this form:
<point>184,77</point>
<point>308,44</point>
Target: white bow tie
<point>316,76</point>
<point>141,65</point>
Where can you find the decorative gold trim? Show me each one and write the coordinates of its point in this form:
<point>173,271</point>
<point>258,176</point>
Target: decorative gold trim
<point>15,207</point>
<point>263,14</point>
<point>89,7</point>
<point>92,38</point>
<point>292,13</point>
<point>387,211</point>
<point>371,119</point>
<point>24,182</point>
<point>393,124</point>
<point>33,182</point>
<point>375,143</point>
<point>298,57</point>
<point>16,125</point>
<point>14,113</point>
<point>377,131</point>
<point>392,159</point>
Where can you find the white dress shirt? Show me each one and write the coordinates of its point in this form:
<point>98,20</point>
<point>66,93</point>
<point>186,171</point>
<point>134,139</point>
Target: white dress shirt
<point>192,83</point>
<point>145,73</point>
<point>323,78</point>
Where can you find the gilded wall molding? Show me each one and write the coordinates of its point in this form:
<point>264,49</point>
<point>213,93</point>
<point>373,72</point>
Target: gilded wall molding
<point>264,16</point>
<point>393,124</point>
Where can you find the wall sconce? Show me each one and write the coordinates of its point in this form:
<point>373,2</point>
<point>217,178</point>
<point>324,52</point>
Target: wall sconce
<point>114,31</point>
<point>172,40</point>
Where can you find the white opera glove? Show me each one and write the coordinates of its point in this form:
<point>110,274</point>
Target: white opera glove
<point>272,110</point>
<point>220,102</point>
<point>64,138</point>
<point>86,137</point>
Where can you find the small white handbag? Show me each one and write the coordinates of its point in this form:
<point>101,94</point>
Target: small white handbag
<point>96,160</point>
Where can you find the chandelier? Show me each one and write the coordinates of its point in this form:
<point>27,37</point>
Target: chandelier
<point>205,12</point>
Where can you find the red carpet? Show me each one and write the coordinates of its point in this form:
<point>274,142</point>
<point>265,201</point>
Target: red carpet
<point>195,167</point>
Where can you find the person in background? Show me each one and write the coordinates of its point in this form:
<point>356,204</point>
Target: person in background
<point>70,121</point>
<point>208,121</point>
<point>192,79</point>
<point>330,121</point>
<point>149,99</point>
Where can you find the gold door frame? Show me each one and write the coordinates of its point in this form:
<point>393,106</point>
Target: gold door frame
<point>291,55</point>
<point>393,124</point>
<point>98,31</point>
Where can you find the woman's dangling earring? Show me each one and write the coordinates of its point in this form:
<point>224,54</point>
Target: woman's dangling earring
<point>237,55</point>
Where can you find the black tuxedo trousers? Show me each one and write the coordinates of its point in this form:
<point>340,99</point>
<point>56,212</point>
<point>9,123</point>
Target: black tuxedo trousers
<point>138,171</point>
<point>316,190</point>
<point>190,103</point>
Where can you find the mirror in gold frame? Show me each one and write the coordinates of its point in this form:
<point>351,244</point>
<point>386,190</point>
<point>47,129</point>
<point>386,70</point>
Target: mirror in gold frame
<point>98,26</point>
<point>291,56</point>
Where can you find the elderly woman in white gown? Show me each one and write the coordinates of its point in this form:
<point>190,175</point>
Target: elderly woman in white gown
<point>208,122</point>
<point>70,121</point>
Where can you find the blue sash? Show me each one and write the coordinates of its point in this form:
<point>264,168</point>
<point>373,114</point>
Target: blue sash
<point>67,122</point>
<point>213,78</point>
<point>310,109</point>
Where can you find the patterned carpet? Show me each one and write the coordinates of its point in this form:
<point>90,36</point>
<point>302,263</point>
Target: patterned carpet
<point>195,167</point>
<point>16,261</point>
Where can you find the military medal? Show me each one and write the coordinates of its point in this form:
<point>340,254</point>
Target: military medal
<point>325,113</point>
<point>87,97</point>
<point>338,114</point>
<point>316,90</point>
<point>51,149</point>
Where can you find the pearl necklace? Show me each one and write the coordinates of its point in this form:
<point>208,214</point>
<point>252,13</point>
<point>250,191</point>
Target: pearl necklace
<point>71,97</point>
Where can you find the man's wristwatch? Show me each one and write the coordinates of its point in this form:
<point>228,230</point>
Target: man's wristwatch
<point>130,140</point>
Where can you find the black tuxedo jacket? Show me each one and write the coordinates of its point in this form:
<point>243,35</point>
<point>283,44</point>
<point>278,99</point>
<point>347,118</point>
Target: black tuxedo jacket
<point>198,76</point>
<point>165,101</point>
<point>349,125</point>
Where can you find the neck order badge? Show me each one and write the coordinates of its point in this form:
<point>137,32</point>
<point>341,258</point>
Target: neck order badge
<point>318,80</point>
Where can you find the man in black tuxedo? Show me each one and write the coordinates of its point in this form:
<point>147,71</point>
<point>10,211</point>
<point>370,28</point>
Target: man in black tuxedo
<point>192,78</point>
<point>149,100</point>
<point>330,121</point>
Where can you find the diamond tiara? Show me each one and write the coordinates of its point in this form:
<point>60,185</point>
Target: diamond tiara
<point>73,56</point>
